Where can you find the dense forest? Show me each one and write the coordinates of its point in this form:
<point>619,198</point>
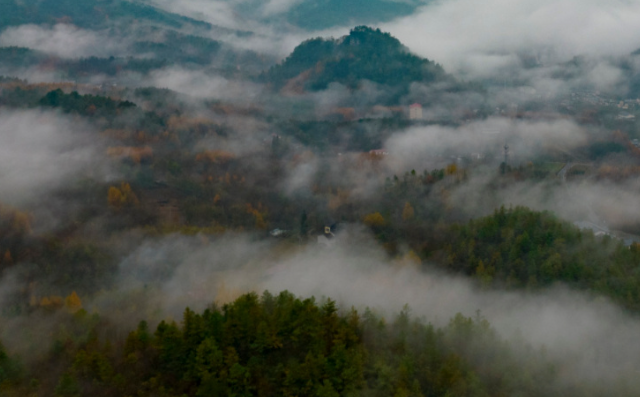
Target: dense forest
<point>283,345</point>
<point>518,247</point>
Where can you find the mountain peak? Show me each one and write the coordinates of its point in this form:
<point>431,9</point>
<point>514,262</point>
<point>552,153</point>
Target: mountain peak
<point>364,54</point>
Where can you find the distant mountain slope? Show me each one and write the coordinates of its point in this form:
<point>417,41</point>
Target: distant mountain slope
<point>176,50</point>
<point>20,57</point>
<point>634,75</point>
<point>323,14</point>
<point>90,14</point>
<point>365,54</point>
<point>152,38</point>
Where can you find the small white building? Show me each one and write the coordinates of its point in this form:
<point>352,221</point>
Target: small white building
<point>415,112</point>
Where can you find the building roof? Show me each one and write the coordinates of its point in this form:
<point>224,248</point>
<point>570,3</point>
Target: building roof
<point>415,105</point>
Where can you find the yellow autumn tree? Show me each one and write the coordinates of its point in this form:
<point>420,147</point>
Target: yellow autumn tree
<point>73,302</point>
<point>114,197</point>
<point>410,259</point>
<point>451,169</point>
<point>374,220</point>
<point>51,302</point>
<point>130,197</point>
<point>45,302</point>
<point>408,213</point>
<point>260,223</point>
<point>119,197</point>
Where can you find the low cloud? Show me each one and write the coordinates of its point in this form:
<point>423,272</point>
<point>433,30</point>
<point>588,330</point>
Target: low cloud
<point>470,37</point>
<point>62,40</point>
<point>199,84</point>
<point>418,146</point>
<point>41,151</point>
<point>603,202</point>
<point>215,12</point>
<point>276,38</point>
<point>274,7</point>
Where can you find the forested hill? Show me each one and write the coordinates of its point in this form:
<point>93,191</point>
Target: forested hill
<point>283,346</point>
<point>365,54</point>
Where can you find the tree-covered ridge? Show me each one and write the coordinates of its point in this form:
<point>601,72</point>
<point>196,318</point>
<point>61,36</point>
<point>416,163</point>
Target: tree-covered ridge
<point>81,68</point>
<point>519,247</point>
<point>182,41</point>
<point>279,346</point>
<point>175,50</point>
<point>20,57</point>
<point>91,14</point>
<point>365,54</point>
<point>83,104</point>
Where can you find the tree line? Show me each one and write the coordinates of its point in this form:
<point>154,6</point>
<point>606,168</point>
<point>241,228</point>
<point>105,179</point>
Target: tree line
<point>282,345</point>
